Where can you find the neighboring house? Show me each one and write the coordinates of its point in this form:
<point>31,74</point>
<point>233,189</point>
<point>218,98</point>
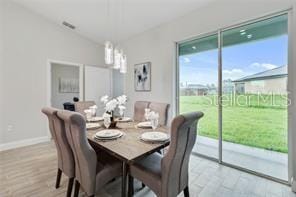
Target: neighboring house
<point>270,81</point>
<point>227,86</point>
<point>194,90</point>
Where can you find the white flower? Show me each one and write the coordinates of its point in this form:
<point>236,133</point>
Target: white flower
<point>111,105</point>
<point>104,99</point>
<point>122,99</point>
<point>121,107</point>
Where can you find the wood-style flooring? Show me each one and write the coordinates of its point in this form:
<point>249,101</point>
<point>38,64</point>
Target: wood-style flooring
<point>31,172</point>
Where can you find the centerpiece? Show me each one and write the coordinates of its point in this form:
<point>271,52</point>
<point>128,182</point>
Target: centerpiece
<point>110,106</point>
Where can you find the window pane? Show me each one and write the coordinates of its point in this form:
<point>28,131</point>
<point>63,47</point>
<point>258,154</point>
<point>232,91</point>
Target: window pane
<point>198,74</point>
<point>255,96</point>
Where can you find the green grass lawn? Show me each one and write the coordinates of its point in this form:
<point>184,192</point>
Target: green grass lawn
<point>253,121</point>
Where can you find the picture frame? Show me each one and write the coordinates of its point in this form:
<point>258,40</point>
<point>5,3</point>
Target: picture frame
<point>142,77</point>
<point>68,85</point>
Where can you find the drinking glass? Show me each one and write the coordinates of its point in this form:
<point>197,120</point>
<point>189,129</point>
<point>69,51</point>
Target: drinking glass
<point>93,112</point>
<point>147,111</point>
<point>154,123</point>
<point>121,113</point>
<point>88,116</point>
<point>107,122</point>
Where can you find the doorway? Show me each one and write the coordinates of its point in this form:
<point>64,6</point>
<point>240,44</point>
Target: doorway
<point>65,83</point>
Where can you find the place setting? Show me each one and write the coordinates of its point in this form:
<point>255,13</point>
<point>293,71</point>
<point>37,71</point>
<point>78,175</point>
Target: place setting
<point>91,114</point>
<point>152,136</point>
<point>108,134</point>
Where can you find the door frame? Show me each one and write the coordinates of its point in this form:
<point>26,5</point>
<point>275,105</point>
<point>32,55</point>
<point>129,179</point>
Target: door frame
<point>50,62</point>
<point>218,32</point>
<point>81,78</point>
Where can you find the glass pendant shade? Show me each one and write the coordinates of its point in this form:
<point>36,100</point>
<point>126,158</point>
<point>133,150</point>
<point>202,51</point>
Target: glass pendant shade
<point>117,58</point>
<point>123,67</point>
<point>108,52</point>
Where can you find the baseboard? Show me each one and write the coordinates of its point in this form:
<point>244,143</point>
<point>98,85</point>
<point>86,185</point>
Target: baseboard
<point>22,143</point>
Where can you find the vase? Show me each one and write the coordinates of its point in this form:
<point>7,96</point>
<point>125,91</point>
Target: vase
<point>112,119</point>
<point>113,122</point>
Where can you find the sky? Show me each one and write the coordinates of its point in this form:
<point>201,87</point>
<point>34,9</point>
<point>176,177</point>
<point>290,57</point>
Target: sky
<point>238,61</point>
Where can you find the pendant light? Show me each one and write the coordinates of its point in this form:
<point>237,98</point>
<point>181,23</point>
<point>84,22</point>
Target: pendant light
<point>115,55</point>
<point>123,67</point>
<point>108,53</point>
<point>117,58</point>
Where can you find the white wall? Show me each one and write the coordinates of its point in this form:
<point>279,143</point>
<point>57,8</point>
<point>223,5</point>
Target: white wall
<point>29,41</point>
<point>59,71</point>
<point>158,45</point>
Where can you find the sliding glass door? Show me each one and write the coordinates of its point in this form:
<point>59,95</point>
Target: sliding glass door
<point>198,89</point>
<point>255,96</point>
<point>251,107</point>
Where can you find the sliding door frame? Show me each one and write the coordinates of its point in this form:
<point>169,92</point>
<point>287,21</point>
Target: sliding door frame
<point>219,32</point>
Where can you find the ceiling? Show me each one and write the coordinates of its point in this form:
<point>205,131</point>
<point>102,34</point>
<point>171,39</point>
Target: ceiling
<point>114,20</point>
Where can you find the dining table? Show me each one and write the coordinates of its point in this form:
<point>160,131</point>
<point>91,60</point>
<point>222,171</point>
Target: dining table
<point>129,147</point>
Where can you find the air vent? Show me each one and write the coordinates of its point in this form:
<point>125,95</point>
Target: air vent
<point>68,25</point>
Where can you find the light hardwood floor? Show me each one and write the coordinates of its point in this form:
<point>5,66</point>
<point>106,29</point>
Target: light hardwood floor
<point>31,171</point>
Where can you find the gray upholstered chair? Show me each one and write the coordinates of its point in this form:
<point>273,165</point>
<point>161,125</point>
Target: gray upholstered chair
<point>64,151</point>
<point>83,105</point>
<point>162,110</point>
<point>91,172</point>
<point>139,110</point>
<point>167,175</point>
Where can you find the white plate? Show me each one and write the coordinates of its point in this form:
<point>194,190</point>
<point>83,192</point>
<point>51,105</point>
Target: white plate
<point>109,138</point>
<point>108,133</point>
<point>144,124</point>
<point>95,119</point>
<point>92,125</point>
<point>154,136</point>
<point>124,119</point>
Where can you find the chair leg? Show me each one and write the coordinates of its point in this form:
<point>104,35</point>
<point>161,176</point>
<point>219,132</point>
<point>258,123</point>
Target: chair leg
<point>59,175</point>
<point>186,192</point>
<point>131,186</point>
<point>77,186</point>
<point>70,186</point>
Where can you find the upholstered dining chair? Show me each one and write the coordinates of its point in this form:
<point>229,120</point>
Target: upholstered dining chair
<point>91,172</point>
<point>167,175</point>
<point>64,151</point>
<point>162,110</point>
<point>139,110</point>
<point>80,106</point>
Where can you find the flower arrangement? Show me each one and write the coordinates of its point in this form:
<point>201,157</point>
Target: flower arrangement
<point>112,104</point>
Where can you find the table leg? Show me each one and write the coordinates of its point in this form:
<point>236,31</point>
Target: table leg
<point>130,186</point>
<point>124,177</point>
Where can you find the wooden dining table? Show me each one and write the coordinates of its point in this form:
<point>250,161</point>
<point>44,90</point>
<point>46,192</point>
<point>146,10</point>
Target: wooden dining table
<point>128,148</point>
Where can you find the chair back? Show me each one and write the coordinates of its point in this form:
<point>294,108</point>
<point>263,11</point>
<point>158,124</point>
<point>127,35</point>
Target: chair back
<point>162,110</point>
<point>174,164</point>
<point>139,110</point>
<point>83,105</point>
<point>84,155</point>
<point>58,133</point>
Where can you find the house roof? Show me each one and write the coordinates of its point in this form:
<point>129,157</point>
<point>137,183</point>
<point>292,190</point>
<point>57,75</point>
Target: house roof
<point>268,74</point>
<point>196,86</point>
